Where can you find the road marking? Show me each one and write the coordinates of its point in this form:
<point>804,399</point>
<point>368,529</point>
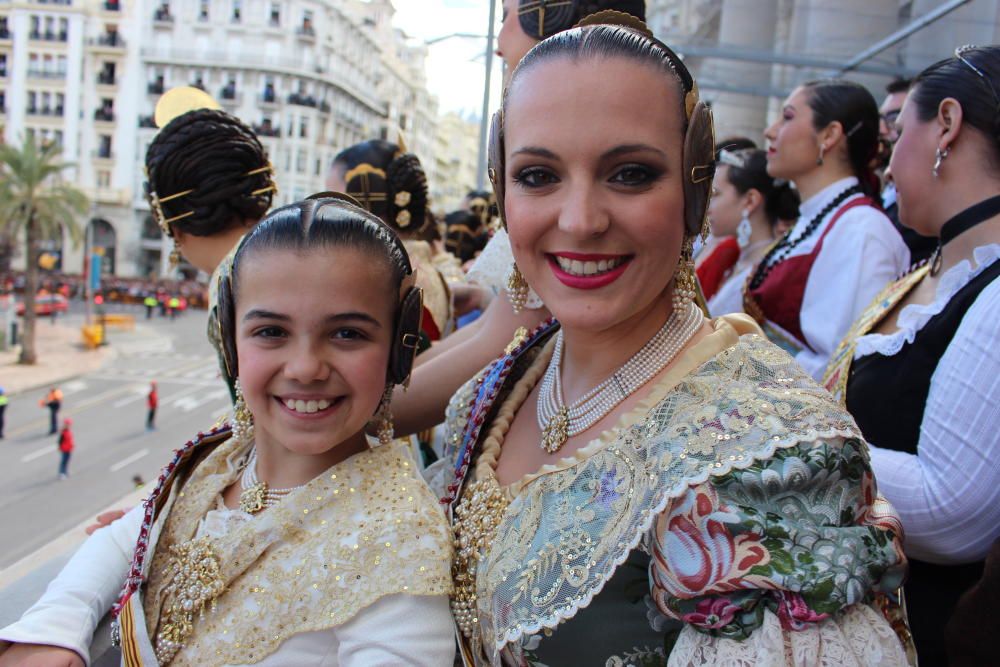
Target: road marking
<point>189,403</point>
<point>37,454</point>
<point>73,387</point>
<point>139,392</point>
<point>179,395</point>
<point>76,409</point>
<point>132,459</point>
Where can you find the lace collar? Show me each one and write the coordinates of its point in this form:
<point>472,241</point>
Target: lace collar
<point>915,316</point>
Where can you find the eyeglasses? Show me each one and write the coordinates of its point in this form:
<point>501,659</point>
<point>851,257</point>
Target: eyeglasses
<point>959,53</point>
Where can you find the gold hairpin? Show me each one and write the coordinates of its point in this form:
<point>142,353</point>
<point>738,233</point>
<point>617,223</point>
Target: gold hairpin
<point>260,170</point>
<point>156,203</point>
<point>270,188</point>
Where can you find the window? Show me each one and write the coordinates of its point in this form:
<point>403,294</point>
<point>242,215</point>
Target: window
<point>3,101</point>
<point>63,29</point>
<point>60,104</point>
<point>237,10</point>
<point>61,66</point>
<point>57,138</point>
<point>104,145</point>
<point>46,103</point>
<point>103,178</point>
<point>300,161</point>
<point>32,102</point>
<point>36,27</point>
<point>3,64</point>
<point>203,10</point>
<point>303,128</point>
<point>275,19</point>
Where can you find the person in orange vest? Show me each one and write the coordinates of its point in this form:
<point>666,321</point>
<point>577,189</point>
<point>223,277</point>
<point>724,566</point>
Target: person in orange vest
<point>52,401</point>
<point>152,400</point>
<point>65,448</point>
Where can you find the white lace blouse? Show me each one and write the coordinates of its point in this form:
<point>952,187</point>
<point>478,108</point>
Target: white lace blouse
<point>948,494</point>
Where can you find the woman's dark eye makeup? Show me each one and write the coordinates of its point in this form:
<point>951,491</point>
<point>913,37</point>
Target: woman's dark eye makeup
<point>268,332</point>
<point>635,175</point>
<point>534,177</point>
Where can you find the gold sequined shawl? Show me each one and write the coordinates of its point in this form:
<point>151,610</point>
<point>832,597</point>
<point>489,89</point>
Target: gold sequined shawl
<point>731,400</point>
<point>366,528</point>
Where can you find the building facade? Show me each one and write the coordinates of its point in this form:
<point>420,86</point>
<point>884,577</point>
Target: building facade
<point>87,74</point>
<point>749,54</point>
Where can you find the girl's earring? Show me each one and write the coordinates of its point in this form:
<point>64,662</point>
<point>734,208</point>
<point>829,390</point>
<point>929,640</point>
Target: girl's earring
<point>383,418</point>
<point>517,289</point>
<point>744,230</point>
<point>175,255</point>
<point>242,417</point>
<point>685,280</point>
<point>819,160</point>
<point>939,157</point>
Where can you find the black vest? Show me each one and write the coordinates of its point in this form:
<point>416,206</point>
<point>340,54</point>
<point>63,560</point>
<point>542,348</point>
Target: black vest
<point>887,396</point>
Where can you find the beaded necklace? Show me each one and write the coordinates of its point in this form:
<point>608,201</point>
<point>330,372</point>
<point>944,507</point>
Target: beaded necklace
<point>256,495</point>
<point>782,248</point>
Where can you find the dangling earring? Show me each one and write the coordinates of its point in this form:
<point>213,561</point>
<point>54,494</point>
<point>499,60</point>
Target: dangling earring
<point>175,255</point>
<point>939,157</point>
<point>383,418</point>
<point>242,417</point>
<point>517,288</point>
<point>685,280</point>
<point>744,230</point>
<point>819,160</point>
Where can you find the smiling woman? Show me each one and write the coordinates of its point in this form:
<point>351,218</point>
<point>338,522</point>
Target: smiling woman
<point>319,318</point>
<point>609,472</point>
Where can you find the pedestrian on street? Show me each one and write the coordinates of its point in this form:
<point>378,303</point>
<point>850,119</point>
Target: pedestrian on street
<point>152,400</point>
<point>3,408</point>
<point>150,303</point>
<point>53,401</point>
<point>65,448</point>
<point>173,305</point>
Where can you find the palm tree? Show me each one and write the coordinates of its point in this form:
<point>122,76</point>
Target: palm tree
<point>33,198</point>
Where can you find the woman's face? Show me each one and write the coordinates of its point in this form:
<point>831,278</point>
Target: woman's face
<point>793,144</point>
<point>594,194</point>
<point>912,159</point>
<point>512,42</point>
<point>313,332</point>
<point>725,209</point>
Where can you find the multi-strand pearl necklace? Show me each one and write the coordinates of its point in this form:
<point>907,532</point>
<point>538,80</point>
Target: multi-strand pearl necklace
<point>560,422</point>
<point>256,495</point>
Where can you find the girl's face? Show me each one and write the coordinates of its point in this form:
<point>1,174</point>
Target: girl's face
<point>594,195</point>
<point>725,210</point>
<point>512,42</point>
<point>910,165</point>
<point>313,332</point>
<point>793,143</point>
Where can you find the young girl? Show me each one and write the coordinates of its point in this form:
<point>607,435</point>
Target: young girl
<point>291,538</point>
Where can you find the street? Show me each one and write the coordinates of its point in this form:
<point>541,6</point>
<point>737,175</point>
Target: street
<point>108,409</point>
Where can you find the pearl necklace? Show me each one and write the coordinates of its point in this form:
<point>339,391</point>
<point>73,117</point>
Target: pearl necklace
<point>256,495</point>
<point>560,422</point>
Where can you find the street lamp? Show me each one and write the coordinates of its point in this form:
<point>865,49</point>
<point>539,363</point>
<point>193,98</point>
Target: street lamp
<point>484,121</point>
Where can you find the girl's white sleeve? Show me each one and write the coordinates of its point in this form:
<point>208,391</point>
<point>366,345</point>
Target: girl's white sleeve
<point>83,592</point>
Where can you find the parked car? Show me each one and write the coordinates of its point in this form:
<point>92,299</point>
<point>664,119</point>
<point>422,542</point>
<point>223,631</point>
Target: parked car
<point>46,304</point>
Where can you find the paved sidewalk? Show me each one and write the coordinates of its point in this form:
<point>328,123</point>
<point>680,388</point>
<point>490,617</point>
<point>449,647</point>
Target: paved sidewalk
<point>61,356</point>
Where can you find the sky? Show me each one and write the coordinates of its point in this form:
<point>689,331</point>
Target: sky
<point>455,66</point>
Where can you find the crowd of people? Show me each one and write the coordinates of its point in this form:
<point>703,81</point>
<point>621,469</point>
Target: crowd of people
<point>721,404</point>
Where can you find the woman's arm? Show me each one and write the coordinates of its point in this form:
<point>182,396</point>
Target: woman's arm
<point>422,405</point>
<point>76,600</point>
<point>948,495</point>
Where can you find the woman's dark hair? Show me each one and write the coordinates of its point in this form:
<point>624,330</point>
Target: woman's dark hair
<point>977,95</point>
<point>303,226</point>
<point>851,105</point>
<point>733,144</point>
<point>388,182</point>
<point>213,154</point>
<point>544,19</point>
<point>781,200</point>
<point>465,234</point>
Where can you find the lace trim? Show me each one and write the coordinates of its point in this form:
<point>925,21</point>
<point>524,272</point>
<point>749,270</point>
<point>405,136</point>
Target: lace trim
<point>915,316</point>
<point>494,264</point>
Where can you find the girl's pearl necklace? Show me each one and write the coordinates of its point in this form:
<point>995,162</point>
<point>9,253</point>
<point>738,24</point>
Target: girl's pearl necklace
<point>256,495</point>
<point>560,422</point>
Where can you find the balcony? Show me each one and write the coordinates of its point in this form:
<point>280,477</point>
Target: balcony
<point>4,33</point>
<point>106,78</point>
<point>110,42</point>
<point>103,154</point>
<point>302,100</point>
<point>48,36</point>
<point>112,6</point>
<point>104,115</point>
<point>306,32</point>
<point>266,130</point>
<point>162,18</point>
<point>45,74</point>
<point>268,99</point>
<point>155,88</point>
<point>147,122</point>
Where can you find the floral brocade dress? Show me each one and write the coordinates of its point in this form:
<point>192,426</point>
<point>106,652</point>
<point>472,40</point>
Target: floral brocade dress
<point>730,518</point>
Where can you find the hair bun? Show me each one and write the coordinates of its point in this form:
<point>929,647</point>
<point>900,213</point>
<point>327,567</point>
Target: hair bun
<point>407,193</point>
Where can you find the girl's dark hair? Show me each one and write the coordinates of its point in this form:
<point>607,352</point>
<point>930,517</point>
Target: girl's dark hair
<point>211,153</point>
<point>975,94</point>
<point>381,191</point>
<point>851,105</point>
<point>465,235</point>
<point>781,200</point>
<point>607,41</point>
<point>303,226</point>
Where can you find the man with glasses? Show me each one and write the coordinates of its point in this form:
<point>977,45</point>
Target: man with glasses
<point>921,247</point>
